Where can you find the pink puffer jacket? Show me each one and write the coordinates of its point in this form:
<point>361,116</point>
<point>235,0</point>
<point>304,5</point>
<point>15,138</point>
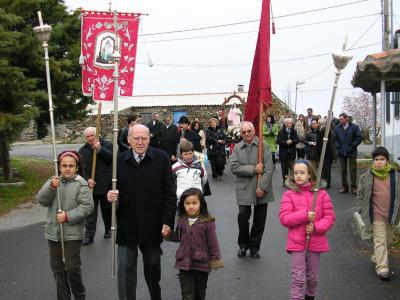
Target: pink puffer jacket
<point>293,214</point>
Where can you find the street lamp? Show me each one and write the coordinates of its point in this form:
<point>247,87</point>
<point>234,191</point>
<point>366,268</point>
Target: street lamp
<point>43,32</point>
<point>295,101</point>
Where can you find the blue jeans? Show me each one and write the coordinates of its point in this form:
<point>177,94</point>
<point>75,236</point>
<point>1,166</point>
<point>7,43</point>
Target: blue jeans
<point>127,270</point>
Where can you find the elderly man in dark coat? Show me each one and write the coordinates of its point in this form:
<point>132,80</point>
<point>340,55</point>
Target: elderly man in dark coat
<point>146,211</point>
<point>287,139</point>
<point>249,191</point>
<point>101,182</point>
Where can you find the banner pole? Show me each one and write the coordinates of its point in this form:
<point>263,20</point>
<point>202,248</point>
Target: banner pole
<point>94,156</point>
<point>340,60</point>
<point>116,58</point>
<point>260,136</point>
<point>43,34</point>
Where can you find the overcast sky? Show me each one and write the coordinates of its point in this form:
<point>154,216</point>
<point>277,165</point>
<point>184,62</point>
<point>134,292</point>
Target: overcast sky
<point>220,63</point>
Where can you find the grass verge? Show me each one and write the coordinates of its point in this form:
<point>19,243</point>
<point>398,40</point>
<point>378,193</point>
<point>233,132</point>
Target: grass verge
<point>33,172</point>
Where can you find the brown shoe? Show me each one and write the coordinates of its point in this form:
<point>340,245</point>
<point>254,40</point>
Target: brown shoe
<point>354,191</point>
<point>343,190</point>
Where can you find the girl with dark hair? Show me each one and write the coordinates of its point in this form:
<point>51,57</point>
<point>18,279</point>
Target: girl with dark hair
<point>199,250</point>
<point>76,205</point>
<point>197,127</point>
<point>295,213</point>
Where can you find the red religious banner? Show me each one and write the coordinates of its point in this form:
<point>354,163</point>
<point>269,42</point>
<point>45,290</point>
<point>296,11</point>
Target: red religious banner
<point>98,43</point>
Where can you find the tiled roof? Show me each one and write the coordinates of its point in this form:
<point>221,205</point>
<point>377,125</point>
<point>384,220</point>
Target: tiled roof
<point>376,67</point>
<point>199,99</point>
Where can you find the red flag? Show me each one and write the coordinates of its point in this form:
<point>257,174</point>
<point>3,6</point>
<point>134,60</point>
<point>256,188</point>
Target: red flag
<point>260,81</point>
<point>98,44</point>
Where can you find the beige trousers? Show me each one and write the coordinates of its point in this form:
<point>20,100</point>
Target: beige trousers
<point>383,236</point>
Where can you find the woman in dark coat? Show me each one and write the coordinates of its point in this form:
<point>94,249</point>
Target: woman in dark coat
<point>215,142</point>
<point>287,139</point>
<point>311,141</point>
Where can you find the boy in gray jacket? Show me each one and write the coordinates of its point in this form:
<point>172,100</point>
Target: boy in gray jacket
<point>378,204</point>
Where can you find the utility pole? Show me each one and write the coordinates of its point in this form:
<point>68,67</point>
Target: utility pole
<point>385,46</point>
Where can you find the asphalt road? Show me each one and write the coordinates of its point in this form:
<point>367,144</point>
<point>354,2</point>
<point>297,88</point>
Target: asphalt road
<point>345,273</point>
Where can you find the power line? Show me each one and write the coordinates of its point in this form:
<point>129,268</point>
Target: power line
<point>252,21</point>
<point>351,47</point>
<point>319,9</point>
<point>248,64</point>
<point>255,31</point>
<point>313,91</point>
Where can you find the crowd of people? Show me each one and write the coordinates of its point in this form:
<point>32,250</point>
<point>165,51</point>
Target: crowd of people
<point>162,183</point>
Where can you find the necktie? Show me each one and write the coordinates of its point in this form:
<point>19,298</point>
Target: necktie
<point>139,159</point>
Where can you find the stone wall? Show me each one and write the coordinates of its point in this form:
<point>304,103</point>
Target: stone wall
<point>29,133</point>
<point>72,132</point>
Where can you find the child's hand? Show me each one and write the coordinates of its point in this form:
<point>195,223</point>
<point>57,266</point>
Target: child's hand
<point>55,182</point>
<point>310,228</point>
<point>91,183</point>
<point>61,217</point>
<point>311,216</point>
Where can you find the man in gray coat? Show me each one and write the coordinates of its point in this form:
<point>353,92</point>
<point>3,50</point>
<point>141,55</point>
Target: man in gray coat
<point>249,191</point>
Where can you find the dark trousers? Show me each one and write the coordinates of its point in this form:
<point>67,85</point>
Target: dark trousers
<point>193,284</point>
<point>217,165</point>
<point>301,153</point>
<point>91,220</point>
<point>352,161</point>
<point>273,157</point>
<point>251,240</point>
<point>326,171</point>
<point>286,165</point>
<point>127,270</point>
<point>68,275</point>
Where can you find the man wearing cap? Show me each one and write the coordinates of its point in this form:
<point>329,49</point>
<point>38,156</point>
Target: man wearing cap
<point>100,184</point>
<point>188,134</point>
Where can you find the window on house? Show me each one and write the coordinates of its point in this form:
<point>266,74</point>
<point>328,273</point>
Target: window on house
<point>396,104</point>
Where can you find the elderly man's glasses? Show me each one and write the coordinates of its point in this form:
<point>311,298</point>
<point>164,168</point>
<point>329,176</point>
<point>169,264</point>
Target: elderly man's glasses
<point>247,131</point>
<point>139,138</point>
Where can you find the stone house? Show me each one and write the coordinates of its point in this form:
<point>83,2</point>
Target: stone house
<point>201,105</point>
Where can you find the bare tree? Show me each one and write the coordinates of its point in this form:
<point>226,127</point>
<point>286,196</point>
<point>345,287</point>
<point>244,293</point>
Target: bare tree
<point>360,108</point>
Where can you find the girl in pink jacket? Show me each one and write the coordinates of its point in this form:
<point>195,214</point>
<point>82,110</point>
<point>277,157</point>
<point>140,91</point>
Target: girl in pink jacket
<point>295,214</point>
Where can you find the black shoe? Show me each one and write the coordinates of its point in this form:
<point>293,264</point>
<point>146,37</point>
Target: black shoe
<point>107,234</point>
<point>309,297</point>
<point>87,241</point>
<point>241,252</point>
<point>254,254</point>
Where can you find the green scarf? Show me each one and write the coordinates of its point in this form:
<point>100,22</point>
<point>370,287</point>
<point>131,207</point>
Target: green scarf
<point>382,173</point>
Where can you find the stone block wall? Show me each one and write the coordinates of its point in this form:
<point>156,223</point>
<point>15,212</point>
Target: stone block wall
<point>72,132</point>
